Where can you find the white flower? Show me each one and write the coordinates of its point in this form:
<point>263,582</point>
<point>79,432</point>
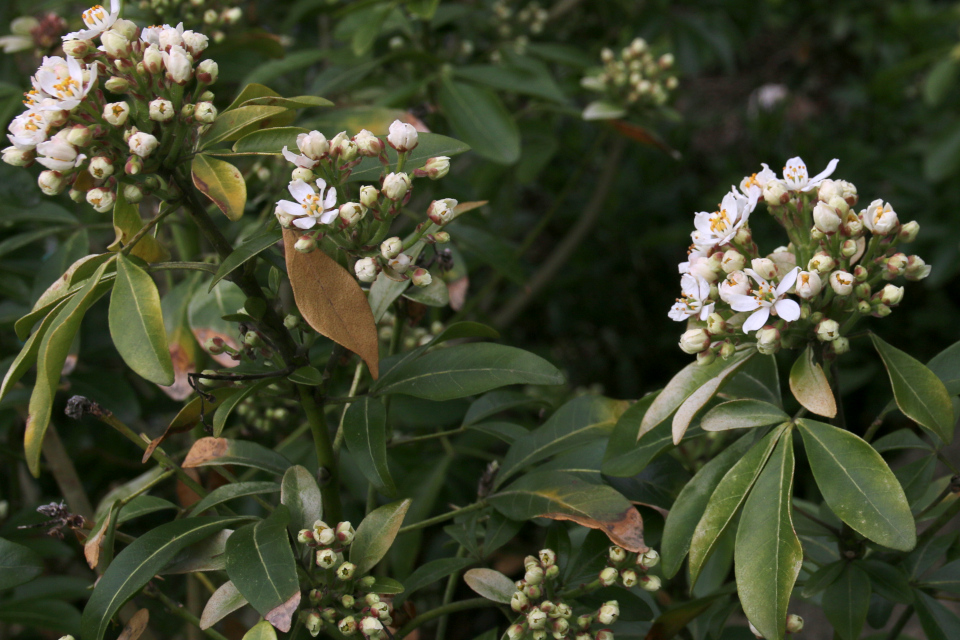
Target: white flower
<point>808,284</point>
<point>752,185</point>
<point>719,227</point>
<point>310,206</point>
<point>699,264</point>
<point>796,176</point>
<point>402,136</point>
<point>58,154</point>
<point>116,113</point>
<point>28,129</point>
<point>842,283</point>
<point>314,145</point>
<point>880,218</point>
<point>62,80</point>
<point>736,283</point>
<point>764,299</point>
<point>142,144</point>
<point>101,199</point>
<point>695,300</point>
<point>97,21</point>
<point>163,35</point>
<point>194,42</point>
<point>301,161</point>
<point>368,145</point>
<point>178,64</point>
<point>399,263</point>
<point>442,211</point>
<point>161,110</point>
<point>826,218</point>
<point>395,185</point>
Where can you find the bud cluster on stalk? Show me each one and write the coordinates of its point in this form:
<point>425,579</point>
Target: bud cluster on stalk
<point>38,35</point>
<point>104,119</point>
<point>838,266</point>
<point>635,79</point>
<point>519,23</point>
<point>322,206</point>
<point>216,16</point>
<point>344,601</point>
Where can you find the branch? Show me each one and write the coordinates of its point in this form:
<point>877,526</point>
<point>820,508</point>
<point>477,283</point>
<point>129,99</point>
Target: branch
<point>463,605</point>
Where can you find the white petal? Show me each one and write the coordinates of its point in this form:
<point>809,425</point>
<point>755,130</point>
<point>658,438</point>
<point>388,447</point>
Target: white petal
<point>321,184</point>
<point>328,216</point>
<point>704,292</point>
<point>678,312</point>
<point>706,311</point>
<point>331,199</point>
<point>741,302</point>
<point>757,277</point>
<point>820,177</point>
<point>291,208</point>
<point>757,320</point>
<point>787,282</point>
<point>787,309</point>
<point>305,223</point>
<point>688,285</point>
<point>300,190</point>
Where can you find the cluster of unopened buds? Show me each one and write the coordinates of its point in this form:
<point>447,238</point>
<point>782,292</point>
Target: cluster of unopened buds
<point>215,15</point>
<point>794,625</point>
<point>98,147</point>
<point>360,227</point>
<point>345,601</point>
<point>528,20</point>
<point>38,35</point>
<point>630,569</point>
<point>636,78</point>
<point>837,268</point>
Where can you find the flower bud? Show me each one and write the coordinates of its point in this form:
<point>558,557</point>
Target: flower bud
<point>402,136</point>
<point>305,244</point>
<point>584,621</point>
<point>908,233</point>
<point>842,283</point>
<point>369,196</point>
<point>768,340</point>
<point>161,110</point>
<point>608,576</point>
<point>882,311</point>
<point>891,295</point>
<point>538,634</point>
<point>849,248</point>
<point>143,144</point>
<point>347,150</point>
<point>101,199</point>
<point>438,167</point>
<point>351,213</point>
<point>345,532</point>
<point>562,610</point>
<point>79,135</point>
<point>368,145</point>
<point>840,346</point>
<point>609,612</point>
<point>195,43</point>
<point>727,349</point>
<point>395,186</point>
<point>530,561</point>
<point>379,609</point>
<point>716,324</point>
<point>116,113</point>
<point>421,277</point>
<point>51,182</point>
<point>115,44</point>
<point>78,48</point>
<point>326,558</point>
<point>304,536</point>
<point>515,632</point>
<point>559,627</point>
<point>629,579</point>
<point>822,263</point>
<point>533,591</point>
<point>519,601</point>
<point>442,211</point>
<point>732,261</point>
<point>755,632</point>
<point>852,226</point>
<point>604,634</point>
<point>366,269</point>
<point>648,559</point>
<point>828,330</point>
<point>765,268</point>
<point>896,265</point>
<point>826,219</point>
<point>650,583</point>
<point>880,218</point>
<point>152,59</point>
<point>794,623</point>
<point>808,284</point>
<point>391,248</point>
<point>536,619</point>
<point>347,626</point>
<point>252,339</point>
<point>694,341</point>
<point>706,357</point>
<point>916,269</point>
<point>547,607</point>
<point>133,165</point>
<point>18,157</point>
<point>348,601</point>
<point>345,571</point>
<point>864,308</point>
<point>301,173</point>
<point>116,84</point>
<point>100,168</point>
<point>617,554</point>
<point>313,623</point>
<point>860,274</point>
<point>205,112</point>
<point>775,193</point>
<point>534,575</point>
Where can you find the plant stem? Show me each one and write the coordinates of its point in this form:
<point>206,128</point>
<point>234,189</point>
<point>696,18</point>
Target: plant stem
<point>579,591</point>
<point>147,227</point>
<point>184,615</point>
<point>443,517</point>
<point>183,266</point>
<point>65,474</point>
<point>429,436</point>
<point>328,474</point>
<point>448,593</point>
<point>588,218</point>
<point>453,607</point>
<point>900,623</point>
<point>338,438</point>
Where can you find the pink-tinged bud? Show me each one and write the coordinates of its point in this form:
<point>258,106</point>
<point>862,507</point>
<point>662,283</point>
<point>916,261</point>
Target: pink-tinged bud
<point>515,632</point>
<point>305,536</point>
<point>775,193</point>
<point>208,71</point>
<point>305,244</point>
<point>51,182</point>
<point>402,137</point>
<point>909,231</point>
<point>648,559</point>
<point>152,59</point>
<point>348,601</point>
<point>79,135</point>
<point>421,278</point>
<point>536,619</point>
<point>313,623</point>
<point>442,211</point>
<point>368,145</point>
<point>19,157</point>
<point>438,167</point>
<point>896,265</point>
<point>608,576</point>
<point>101,199</point>
<point>178,65</point>
<point>115,44</point>
<point>794,623</point>
<point>650,583</point>
<point>351,213</point>
<point>205,113</point>
<point>100,168</point>
<point>604,634</point>
<point>532,591</point>
<point>143,144</point>
<point>860,273</point>
<point>161,110</point>
<point>194,42</point>
<point>584,621</point>
<point>916,269</point>
<point>891,295</point>
<point>396,185</point>
<point>133,165</point>
<point>78,48</point>
<point>345,532</point>
<point>694,341</point>
<point>366,269</point>
<point>116,84</point>
<point>519,602</point>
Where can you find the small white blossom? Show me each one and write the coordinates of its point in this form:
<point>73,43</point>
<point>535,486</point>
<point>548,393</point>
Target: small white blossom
<point>808,284</point>
<point>178,64</point>
<point>395,185</point>
<point>880,218</point>
<point>736,283</point>
<point>695,300</point>
<point>442,211</point>
<point>314,145</point>
<point>764,299</point>
<point>402,136</point>
<point>399,263</point>
<point>101,199</point>
<point>310,207</point>
<point>368,145</point>
<point>116,113</point>
<point>58,154</point>
<point>194,42</point>
<point>719,227</point>
<point>161,110</point>
<point>28,129</point>
<point>797,179</point>
<point>63,81</point>
<point>842,283</point>
<point>143,144</point>
<point>97,20</point>
<point>752,186</point>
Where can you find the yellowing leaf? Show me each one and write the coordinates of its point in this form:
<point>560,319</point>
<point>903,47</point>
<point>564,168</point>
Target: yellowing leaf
<point>222,183</point>
<point>810,387</point>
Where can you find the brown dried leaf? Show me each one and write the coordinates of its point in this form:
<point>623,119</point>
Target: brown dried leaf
<point>189,416</point>
<point>282,616</point>
<point>183,363</point>
<point>458,292</point>
<point>645,136</point>
<point>136,626</point>
<point>626,531</point>
<point>91,547</point>
<point>332,302</point>
<point>204,450</point>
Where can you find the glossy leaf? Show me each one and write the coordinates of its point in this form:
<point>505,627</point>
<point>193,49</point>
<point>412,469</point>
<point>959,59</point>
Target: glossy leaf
<point>858,485</point>
<point>810,386</point>
<point>261,566</point>
<point>224,601</point>
<point>268,141</point>
<point>726,499</point>
<point>938,622</point>
<point>136,565</point>
<point>211,452</point>
<point>455,331</point>
<point>822,578</point>
<point>479,118</point>
<point>231,122</point>
<point>430,572</point>
<point>490,584</point>
<point>759,379</point>
<point>845,602</point>
<point>205,316</point>
<point>332,302</point>
<point>301,495</point>
<point>126,224</point>
<point>365,432</point>
<point>577,422</point>
<point>54,615</point>
<point>469,369</point>
<point>562,496</point>
<point>530,77</point>
<point>672,621</point>
<point>699,398</point>
<point>263,630</point>
<point>190,416</point>
<point>888,581</point>
<point>625,455</point>
<point>946,578</point>
<point>184,350</point>
<point>18,564</point>
<point>296,102</point>
<point>375,535</point>
<point>309,376</point>
<point>143,505</point>
<point>28,353</point>
<point>919,393</point>
<point>245,252</point>
<point>226,407</point>
<point>222,183</point>
<point>742,414</point>
<point>768,554</point>
<point>231,491</point>
<point>136,323</point>
<point>690,505</point>
<point>494,402</point>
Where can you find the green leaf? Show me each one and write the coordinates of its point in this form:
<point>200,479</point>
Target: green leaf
<point>263,630</point>
<point>858,485</point>
<point>268,142</point>
<point>224,601</point>
<point>245,252</point>
<point>490,584</point>
<point>918,391</point>
<point>296,102</point>
<point>138,563</point>
<point>41,614</point>
<point>938,622</point>
<point>846,601</point>
<point>435,294</point>
<point>231,122</point>
<point>231,491</point>
<point>888,581</point>
<point>726,500</point>
<point>529,78</point>
<point>466,370</point>
<point>51,356</point>
<point>683,385</point>
<point>672,621</point>
<point>261,566</point>
<point>946,578</point>
<point>562,496</point>
<point>699,398</point>
<point>18,564</point>
<point>901,439</point>
<point>309,376</point>
<point>273,69</point>
<point>23,239</point>
<point>454,331</point>
<point>225,408</point>
<point>301,495</point>
<point>810,386</point>
<point>480,119</point>
<point>742,414</point>
<point>926,555</point>
<point>375,535</point>
<point>490,248</point>
<point>690,505</point>
<point>365,432</point>
<point>505,431</point>
<point>768,554</point>
<point>946,364</point>
<point>429,145</point>
<point>221,182</point>
<point>759,379</point>
<point>136,323</point>
<point>428,573</point>
<point>369,28</point>
<point>625,455</point>
<point>143,505</point>
<point>577,422</point>
<point>215,452</point>
<point>28,353</point>
<point>822,578</point>
<point>490,404</point>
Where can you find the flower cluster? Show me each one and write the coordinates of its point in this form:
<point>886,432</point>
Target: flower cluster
<point>836,268</point>
<point>541,615</point>
<point>215,15</point>
<point>320,205</point>
<point>343,597</point>
<point>635,80</point>
<point>519,23</point>
<point>38,35</point>
<point>94,145</point>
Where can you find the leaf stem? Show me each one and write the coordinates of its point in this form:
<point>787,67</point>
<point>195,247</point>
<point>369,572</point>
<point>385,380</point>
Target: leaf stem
<point>476,506</point>
<point>453,607</point>
<point>170,208</point>
<point>182,613</point>
<point>429,436</point>
<point>338,438</point>
<point>183,266</point>
<point>65,474</point>
<point>448,593</point>
<point>328,474</point>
